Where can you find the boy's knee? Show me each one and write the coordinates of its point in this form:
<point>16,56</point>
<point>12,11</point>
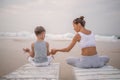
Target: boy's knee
<point>70,61</point>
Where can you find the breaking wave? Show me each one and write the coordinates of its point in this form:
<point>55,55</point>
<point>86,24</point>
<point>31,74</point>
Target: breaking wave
<point>66,36</point>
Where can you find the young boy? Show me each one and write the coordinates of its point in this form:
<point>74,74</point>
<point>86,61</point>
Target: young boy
<point>39,54</point>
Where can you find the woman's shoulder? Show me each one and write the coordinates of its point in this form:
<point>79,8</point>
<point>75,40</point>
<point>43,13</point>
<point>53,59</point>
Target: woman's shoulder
<point>77,37</point>
<point>87,33</point>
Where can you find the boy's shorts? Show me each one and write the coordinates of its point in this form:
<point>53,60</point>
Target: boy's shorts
<point>31,60</point>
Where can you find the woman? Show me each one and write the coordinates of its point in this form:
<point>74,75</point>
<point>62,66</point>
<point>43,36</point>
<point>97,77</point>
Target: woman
<point>85,38</point>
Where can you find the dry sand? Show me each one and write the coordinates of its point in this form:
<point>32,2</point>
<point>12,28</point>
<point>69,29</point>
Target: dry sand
<point>12,56</point>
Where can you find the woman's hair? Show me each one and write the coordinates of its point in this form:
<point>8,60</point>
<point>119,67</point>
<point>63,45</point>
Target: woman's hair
<point>39,30</point>
<point>80,20</point>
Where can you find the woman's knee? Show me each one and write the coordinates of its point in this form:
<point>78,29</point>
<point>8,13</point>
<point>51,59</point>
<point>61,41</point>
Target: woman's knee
<point>71,60</point>
<point>105,59</point>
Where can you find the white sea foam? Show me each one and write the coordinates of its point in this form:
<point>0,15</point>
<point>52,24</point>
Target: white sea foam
<point>105,38</point>
<point>66,36</point>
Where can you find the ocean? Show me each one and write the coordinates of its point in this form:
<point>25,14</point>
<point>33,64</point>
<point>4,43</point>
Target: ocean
<point>49,36</point>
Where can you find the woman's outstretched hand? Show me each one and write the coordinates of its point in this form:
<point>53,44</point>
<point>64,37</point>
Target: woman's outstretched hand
<point>53,51</point>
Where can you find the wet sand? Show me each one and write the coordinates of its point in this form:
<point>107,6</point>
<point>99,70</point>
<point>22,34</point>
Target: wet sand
<point>12,56</point>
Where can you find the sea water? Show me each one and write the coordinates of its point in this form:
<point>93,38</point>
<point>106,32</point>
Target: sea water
<point>49,36</point>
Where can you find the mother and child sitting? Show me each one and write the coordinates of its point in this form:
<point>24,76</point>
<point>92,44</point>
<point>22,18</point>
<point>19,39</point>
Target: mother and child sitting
<point>39,55</point>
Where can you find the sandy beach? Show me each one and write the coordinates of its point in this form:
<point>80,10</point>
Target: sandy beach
<point>12,56</point>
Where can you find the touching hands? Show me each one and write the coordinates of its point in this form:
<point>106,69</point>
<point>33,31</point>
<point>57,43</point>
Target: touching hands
<point>53,51</point>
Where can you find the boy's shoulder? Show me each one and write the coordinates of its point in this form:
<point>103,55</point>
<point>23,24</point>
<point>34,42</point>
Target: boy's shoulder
<point>47,43</point>
<point>35,42</point>
<point>32,44</point>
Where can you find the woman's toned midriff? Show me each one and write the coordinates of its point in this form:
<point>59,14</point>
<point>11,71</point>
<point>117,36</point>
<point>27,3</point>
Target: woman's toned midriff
<point>89,51</point>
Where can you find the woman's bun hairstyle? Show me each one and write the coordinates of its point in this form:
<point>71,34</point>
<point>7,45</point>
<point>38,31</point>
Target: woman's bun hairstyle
<point>80,20</point>
<point>82,17</point>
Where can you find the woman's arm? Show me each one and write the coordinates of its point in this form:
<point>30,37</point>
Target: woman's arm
<point>76,38</point>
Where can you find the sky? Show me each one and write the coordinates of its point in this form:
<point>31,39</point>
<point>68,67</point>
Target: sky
<point>102,16</point>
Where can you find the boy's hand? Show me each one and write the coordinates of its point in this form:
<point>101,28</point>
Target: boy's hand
<point>53,51</point>
<point>26,49</point>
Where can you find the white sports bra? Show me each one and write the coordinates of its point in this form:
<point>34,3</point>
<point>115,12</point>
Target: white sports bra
<point>87,40</point>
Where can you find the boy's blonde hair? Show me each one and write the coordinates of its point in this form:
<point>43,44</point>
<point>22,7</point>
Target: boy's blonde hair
<point>38,30</point>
